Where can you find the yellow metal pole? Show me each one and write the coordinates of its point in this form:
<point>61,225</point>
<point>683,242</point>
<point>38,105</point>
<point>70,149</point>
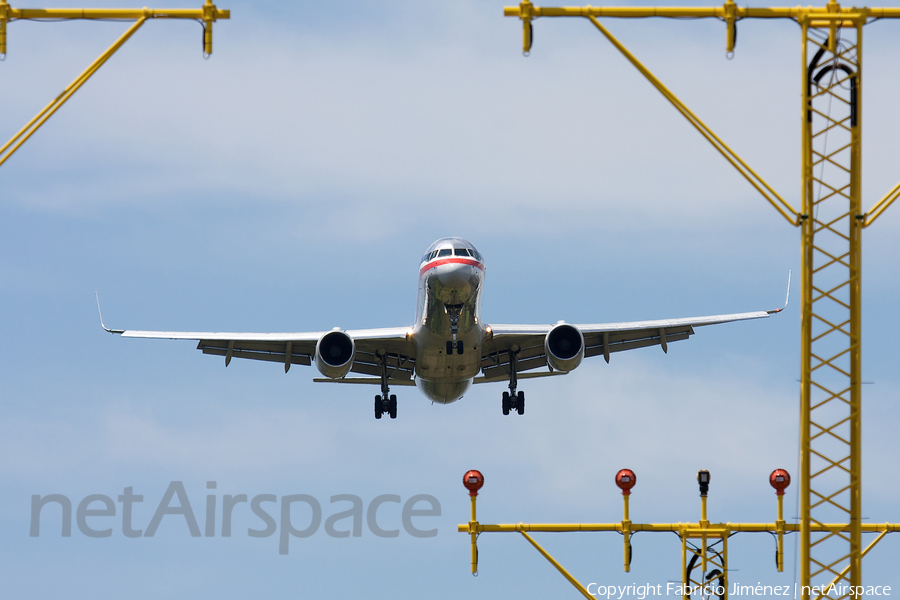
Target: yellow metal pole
<point>473,481</point>
<point>35,123</point>
<point>473,530</point>
<point>209,15</point>
<point>856,227</point>
<point>558,566</point>
<point>725,565</point>
<point>731,27</point>
<point>806,270</point>
<point>525,15</point>
<point>832,27</point>
<point>685,580</point>
<point>703,525</point>
<point>779,527</point>
<point>626,532</point>
<point>4,19</point>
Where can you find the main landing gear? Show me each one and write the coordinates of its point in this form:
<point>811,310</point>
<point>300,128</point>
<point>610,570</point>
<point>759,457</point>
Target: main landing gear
<point>512,400</point>
<point>515,403</point>
<point>385,403</point>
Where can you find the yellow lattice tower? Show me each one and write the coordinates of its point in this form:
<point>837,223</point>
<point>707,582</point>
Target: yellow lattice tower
<point>832,229</point>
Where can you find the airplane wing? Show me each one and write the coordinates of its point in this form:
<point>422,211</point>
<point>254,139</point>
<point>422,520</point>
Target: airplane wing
<point>599,339</point>
<point>298,348</point>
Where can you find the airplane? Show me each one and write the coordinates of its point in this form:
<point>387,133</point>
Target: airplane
<point>449,347</point>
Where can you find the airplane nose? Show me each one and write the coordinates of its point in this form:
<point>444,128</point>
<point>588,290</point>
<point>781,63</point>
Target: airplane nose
<point>454,275</point>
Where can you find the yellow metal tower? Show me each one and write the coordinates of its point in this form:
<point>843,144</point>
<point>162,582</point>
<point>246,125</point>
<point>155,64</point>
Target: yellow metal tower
<point>831,220</point>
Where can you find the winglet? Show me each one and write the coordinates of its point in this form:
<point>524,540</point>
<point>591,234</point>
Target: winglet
<point>787,298</point>
<point>105,328</point>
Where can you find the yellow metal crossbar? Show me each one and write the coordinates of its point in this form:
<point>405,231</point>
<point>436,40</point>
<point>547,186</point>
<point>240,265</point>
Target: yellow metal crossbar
<point>208,14</point>
<point>830,12</point>
<point>695,529</point>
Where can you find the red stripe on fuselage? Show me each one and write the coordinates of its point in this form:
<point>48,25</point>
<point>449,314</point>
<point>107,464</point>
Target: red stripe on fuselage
<point>444,261</point>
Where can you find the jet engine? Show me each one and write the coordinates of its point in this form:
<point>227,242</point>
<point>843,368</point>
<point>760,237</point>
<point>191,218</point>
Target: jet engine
<point>334,354</point>
<point>564,347</point>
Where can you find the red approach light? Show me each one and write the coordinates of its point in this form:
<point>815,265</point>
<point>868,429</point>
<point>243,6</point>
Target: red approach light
<point>780,479</point>
<point>473,480</point>
<point>626,479</point>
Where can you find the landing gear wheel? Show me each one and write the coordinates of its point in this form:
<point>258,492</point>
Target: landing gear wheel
<point>505,403</point>
<point>520,403</point>
<point>459,347</point>
<point>392,406</point>
<point>378,407</point>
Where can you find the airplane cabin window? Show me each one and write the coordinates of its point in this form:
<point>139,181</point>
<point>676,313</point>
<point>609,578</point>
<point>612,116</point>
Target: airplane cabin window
<point>445,252</point>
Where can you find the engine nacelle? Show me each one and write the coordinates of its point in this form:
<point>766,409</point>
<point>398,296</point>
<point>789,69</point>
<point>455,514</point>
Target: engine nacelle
<point>564,347</point>
<point>334,354</point>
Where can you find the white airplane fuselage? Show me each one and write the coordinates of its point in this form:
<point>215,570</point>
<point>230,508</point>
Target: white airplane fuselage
<point>448,317</point>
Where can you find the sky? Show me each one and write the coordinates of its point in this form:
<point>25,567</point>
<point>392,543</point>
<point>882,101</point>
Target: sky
<point>291,183</point>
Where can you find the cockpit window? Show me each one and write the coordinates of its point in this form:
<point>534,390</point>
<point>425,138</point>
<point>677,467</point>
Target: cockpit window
<point>461,251</point>
<point>477,255</point>
<point>445,252</point>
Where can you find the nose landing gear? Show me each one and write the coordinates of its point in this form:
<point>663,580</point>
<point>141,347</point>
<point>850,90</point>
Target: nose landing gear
<point>454,312</point>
